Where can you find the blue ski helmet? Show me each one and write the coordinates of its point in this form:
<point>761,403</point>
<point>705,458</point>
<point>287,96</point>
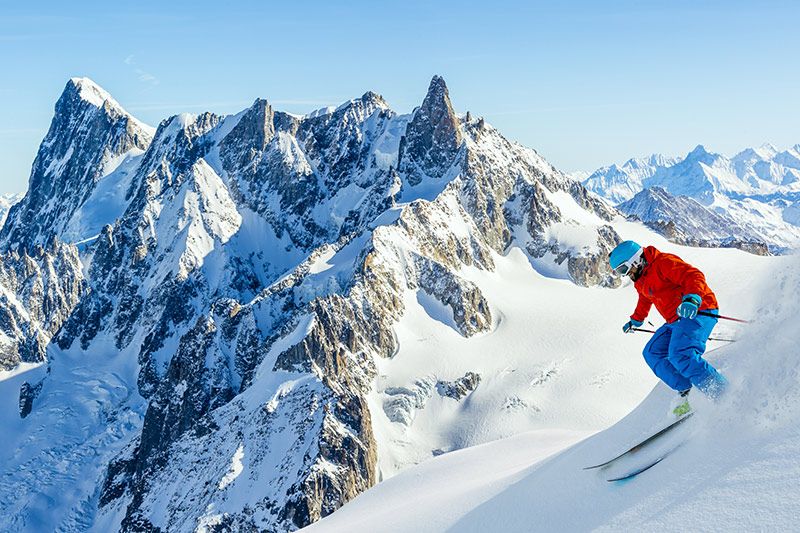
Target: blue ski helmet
<point>624,256</point>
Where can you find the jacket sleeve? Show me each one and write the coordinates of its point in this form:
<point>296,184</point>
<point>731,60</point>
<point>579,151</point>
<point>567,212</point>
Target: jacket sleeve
<point>687,277</point>
<point>642,309</point>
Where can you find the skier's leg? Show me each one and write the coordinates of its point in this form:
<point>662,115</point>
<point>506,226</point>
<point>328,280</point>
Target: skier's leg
<point>686,348</point>
<point>656,355</point>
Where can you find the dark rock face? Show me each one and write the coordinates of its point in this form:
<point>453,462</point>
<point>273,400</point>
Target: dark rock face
<point>250,135</point>
<point>433,136</point>
<point>47,284</point>
<point>459,388</point>
<point>256,276</point>
<point>27,394</point>
<point>470,309</point>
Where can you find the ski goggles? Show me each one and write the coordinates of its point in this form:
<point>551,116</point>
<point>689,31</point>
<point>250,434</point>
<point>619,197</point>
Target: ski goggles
<point>626,267</point>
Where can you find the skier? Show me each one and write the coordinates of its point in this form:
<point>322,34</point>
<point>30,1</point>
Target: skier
<point>681,295</point>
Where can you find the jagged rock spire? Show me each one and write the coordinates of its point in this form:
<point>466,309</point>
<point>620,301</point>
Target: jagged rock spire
<point>433,137</point>
<point>251,134</point>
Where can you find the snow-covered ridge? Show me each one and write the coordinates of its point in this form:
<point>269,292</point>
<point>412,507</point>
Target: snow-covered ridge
<point>619,183</point>
<point>91,92</point>
<point>758,188</point>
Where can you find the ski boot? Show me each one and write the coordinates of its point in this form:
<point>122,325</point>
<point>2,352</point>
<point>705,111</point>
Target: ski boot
<point>680,404</point>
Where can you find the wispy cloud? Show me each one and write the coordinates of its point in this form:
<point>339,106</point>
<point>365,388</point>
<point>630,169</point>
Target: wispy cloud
<point>142,75</point>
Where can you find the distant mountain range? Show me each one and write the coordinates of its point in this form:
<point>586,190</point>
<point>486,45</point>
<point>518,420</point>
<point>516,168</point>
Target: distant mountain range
<point>758,189</point>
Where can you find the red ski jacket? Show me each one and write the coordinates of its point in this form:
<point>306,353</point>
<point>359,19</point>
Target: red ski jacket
<point>666,279</point>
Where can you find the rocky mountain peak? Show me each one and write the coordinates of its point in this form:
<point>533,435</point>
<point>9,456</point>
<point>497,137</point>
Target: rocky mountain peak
<point>88,91</point>
<point>179,141</point>
<point>374,100</point>
<point>251,134</point>
<point>433,137</point>
<point>89,136</point>
<point>701,155</point>
<point>437,90</point>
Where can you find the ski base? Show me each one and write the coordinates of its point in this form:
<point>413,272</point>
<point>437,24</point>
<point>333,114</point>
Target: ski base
<point>644,443</point>
<point>632,474</point>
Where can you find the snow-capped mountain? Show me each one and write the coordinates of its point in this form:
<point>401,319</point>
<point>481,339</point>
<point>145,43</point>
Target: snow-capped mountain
<point>91,137</point>
<point>757,188</point>
<point>620,183</point>
<point>6,201</point>
<point>685,221</point>
<point>236,297</point>
<point>700,175</point>
<point>767,164</point>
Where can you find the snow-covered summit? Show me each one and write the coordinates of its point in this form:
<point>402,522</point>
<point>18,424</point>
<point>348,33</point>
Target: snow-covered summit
<point>90,137</point>
<point>756,188</point>
<point>618,183</point>
<point>91,92</point>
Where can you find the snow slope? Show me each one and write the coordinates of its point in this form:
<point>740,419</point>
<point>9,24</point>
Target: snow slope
<point>73,435</point>
<point>737,470</point>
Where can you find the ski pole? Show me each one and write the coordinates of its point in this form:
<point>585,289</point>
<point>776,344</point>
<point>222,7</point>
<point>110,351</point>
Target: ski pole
<point>710,338</point>
<point>706,313</point>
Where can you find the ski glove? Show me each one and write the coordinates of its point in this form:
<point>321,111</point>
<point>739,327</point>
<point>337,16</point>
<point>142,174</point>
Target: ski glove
<point>630,324</point>
<point>689,306</point>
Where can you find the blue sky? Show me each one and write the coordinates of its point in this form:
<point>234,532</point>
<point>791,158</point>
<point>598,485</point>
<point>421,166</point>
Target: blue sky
<point>584,83</point>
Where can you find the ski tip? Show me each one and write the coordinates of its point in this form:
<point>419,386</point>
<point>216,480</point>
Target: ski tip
<point>594,466</point>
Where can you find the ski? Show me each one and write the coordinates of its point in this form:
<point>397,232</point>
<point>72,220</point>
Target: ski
<point>638,471</point>
<point>644,443</point>
<point>648,466</point>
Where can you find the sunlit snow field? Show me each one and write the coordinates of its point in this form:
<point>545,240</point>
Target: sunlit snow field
<point>544,324</point>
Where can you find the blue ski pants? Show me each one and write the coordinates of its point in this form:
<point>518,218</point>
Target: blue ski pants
<point>675,354</point>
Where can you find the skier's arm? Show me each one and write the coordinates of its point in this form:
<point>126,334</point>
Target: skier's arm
<point>642,309</point>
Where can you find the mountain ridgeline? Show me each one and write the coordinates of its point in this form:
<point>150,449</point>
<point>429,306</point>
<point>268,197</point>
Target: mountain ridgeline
<point>750,201</point>
<point>250,268</point>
